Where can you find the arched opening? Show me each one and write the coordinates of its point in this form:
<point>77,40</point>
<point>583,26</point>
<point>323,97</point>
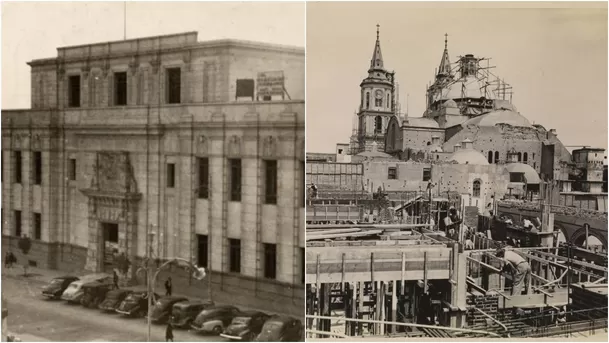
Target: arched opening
<point>525,157</point>
<point>378,124</point>
<point>367,99</point>
<point>428,143</point>
<point>476,188</point>
<point>496,156</point>
<point>519,157</point>
<point>388,100</point>
<point>378,102</point>
<point>490,157</point>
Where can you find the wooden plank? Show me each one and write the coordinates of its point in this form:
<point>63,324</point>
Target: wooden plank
<point>410,275</point>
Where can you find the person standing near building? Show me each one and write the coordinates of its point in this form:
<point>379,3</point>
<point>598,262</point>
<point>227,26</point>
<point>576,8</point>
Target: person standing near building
<point>168,286</point>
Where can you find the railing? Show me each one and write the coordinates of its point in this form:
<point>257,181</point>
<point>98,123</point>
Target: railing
<point>421,326</point>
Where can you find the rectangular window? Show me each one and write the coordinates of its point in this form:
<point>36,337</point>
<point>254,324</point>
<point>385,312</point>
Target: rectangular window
<point>270,261</point>
<point>270,173</point>
<point>37,226</point>
<point>74,91</point>
<point>120,89</point>
<point>235,179</point>
<point>426,174</point>
<point>245,89</point>
<point>174,86</point>
<point>72,169</point>
<point>17,166</point>
<point>202,250</point>
<point>37,167</point>
<point>303,266</point>
<point>267,98</point>
<point>234,257</point>
<point>203,166</point>
<point>171,175</point>
<point>392,173</point>
<point>18,223</point>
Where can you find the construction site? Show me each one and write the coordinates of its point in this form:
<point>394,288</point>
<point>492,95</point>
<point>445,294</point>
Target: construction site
<point>378,265</point>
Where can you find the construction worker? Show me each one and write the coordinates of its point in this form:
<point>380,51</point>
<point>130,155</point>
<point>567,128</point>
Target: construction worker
<point>518,267</point>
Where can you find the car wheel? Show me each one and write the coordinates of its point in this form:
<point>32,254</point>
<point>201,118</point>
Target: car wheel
<point>217,330</point>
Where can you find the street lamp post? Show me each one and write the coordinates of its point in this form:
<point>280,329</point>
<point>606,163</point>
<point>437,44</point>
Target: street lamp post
<point>198,273</point>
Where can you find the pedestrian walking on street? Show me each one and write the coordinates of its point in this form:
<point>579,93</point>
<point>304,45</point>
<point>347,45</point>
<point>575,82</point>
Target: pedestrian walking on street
<point>169,332</point>
<point>168,286</point>
<point>115,279</point>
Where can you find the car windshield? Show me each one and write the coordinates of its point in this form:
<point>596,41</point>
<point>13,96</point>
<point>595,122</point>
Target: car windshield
<point>56,282</point>
<point>242,320</point>
<point>74,286</point>
<point>270,329</point>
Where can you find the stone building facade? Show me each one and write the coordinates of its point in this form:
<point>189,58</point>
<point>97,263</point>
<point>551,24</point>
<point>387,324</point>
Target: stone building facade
<point>165,147</point>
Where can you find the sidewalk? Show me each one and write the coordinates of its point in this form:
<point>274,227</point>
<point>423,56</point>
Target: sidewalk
<point>43,276</point>
<point>24,337</point>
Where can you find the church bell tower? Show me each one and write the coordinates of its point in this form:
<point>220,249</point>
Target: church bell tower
<point>377,103</point>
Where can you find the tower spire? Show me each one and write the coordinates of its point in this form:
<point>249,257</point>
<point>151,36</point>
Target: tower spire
<point>377,56</point>
<point>444,69</point>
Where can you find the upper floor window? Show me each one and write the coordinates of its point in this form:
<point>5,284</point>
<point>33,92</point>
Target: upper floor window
<point>378,124</point>
<point>476,189</point>
<point>120,89</point>
<point>270,171</point>
<point>235,179</point>
<point>388,100</point>
<point>174,85</point>
<point>392,173</point>
<point>171,175</point>
<point>74,91</point>
<point>18,166</point>
<point>367,99</point>
<point>519,156</point>
<point>203,177</point>
<point>525,157</point>
<point>37,167</point>
<point>490,157</point>
<point>496,156</point>
<point>72,169</point>
<point>426,174</point>
<point>378,102</point>
<point>245,89</point>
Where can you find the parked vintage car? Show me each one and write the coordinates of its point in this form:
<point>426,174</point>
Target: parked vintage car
<point>114,298</point>
<point>136,304</point>
<point>245,326</point>
<point>74,292</point>
<point>185,312</point>
<point>161,312</point>
<point>94,293</point>
<point>57,286</point>
<point>281,329</point>
<point>214,319</point>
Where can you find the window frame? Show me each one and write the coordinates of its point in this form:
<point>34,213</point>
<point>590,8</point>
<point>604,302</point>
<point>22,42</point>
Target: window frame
<point>235,174</point>
<point>173,96</point>
<point>478,189</point>
<point>426,174</point>
<point>118,85</point>
<point>170,175</point>
<point>37,225</point>
<point>37,167</point>
<point>392,173</point>
<point>18,162</point>
<point>271,170</point>
<point>270,253</point>
<point>74,98</point>
<point>234,255</point>
<point>203,178</point>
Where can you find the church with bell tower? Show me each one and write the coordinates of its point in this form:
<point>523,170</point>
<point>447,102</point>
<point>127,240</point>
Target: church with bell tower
<point>377,104</point>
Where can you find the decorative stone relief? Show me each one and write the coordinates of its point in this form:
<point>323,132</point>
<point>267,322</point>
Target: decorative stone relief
<point>202,145</point>
<point>269,147</point>
<point>133,65</point>
<point>234,146</point>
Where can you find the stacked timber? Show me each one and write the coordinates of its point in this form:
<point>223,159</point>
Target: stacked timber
<point>560,210</point>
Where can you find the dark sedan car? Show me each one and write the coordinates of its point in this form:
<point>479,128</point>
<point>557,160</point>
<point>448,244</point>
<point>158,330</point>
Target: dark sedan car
<point>214,319</point>
<point>94,293</point>
<point>185,312</point>
<point>245,326</point>
<point>55,288</point>
<point>136,304</point>
<point>281,329</point>
<point>161,312</point>
<point>114,298</point>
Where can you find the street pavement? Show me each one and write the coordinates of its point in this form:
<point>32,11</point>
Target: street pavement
<point>32,315</point>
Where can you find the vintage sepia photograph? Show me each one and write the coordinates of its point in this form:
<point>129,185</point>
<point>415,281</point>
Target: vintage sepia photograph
<point>153,171</point>
<point>456,171</point>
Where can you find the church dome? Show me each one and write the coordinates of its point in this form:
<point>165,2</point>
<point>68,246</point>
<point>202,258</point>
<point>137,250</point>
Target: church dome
<point>468,156</point>
<point>499,117</point>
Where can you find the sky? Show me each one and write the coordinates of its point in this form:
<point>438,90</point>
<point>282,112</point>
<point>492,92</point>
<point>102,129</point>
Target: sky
<point>35,30</point>
<point>554,58</point>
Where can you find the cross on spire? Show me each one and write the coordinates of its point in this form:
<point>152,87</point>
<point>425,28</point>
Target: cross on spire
<point>377,30</point>
<point>446,41</point>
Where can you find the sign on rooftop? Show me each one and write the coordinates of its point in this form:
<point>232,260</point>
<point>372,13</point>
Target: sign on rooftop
<point>271,83</point>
